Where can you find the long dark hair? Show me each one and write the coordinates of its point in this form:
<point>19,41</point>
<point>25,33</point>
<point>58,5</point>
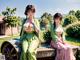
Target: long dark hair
<point>57,15</point>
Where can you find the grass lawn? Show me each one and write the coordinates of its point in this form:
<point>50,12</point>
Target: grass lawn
<point>8,38</point>
<point>69,40</point>
<point>73,41</point>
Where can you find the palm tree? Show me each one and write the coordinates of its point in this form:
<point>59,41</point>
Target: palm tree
<point>10,19</point>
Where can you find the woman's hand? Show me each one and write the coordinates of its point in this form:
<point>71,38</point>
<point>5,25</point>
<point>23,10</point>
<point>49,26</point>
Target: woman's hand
<point>63,42</point>
<point>28,29</point>
<point>35,28</point>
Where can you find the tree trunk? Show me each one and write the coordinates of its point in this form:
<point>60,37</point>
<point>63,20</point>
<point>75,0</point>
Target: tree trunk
<point>18,28</point>
<point>11,31</point>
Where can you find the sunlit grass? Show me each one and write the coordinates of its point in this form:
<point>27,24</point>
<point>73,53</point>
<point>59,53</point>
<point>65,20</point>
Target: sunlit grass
<point>73,41</point>
<point>69,40</point>
<point>8,38</point>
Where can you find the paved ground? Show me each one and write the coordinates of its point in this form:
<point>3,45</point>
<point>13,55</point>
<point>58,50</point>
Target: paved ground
<point>2,57</point>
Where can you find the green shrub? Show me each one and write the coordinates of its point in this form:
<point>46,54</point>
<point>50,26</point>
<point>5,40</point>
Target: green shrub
<point>47,37</point>
<point>69,20</point>
<point>73,30</point>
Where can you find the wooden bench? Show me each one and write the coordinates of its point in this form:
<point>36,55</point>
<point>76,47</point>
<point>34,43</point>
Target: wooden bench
<point>12,51</point>
<point>45,53</point>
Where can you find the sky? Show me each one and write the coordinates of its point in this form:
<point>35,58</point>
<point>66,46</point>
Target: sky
<point>50,6</point>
